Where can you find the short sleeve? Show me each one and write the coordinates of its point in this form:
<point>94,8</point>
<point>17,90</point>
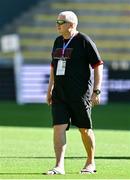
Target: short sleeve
<point>93,54</point>
<point>53,49</point>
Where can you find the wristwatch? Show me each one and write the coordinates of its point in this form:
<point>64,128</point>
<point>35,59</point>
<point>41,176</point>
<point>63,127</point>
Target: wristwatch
<point>97,91</point>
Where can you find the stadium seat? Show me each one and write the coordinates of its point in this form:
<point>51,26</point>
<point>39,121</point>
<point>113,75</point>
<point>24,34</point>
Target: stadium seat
<point>106,23</point>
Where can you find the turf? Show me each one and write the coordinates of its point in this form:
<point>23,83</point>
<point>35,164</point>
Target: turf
<point>26,148</point>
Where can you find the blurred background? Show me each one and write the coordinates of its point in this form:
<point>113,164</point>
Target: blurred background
<point>27,32</point>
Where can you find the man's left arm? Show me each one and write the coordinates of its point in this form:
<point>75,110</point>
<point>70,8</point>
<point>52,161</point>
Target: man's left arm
<point>98,72</point>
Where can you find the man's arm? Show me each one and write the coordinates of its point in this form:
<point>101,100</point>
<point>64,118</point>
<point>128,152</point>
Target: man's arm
<point>98,72</point>
<point>50,86</point>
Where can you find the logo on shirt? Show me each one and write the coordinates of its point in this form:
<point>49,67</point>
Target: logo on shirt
<point>57,53</point>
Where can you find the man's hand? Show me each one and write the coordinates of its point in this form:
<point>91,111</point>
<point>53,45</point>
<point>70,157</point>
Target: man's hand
<point>49,99</point>
<point>95,99</point>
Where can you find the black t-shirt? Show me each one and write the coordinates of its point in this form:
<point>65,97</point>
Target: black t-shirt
<point>81,56</point>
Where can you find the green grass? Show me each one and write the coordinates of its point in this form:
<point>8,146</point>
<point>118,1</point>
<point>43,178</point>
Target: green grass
<point>27,152</point>
<point>26,148</point>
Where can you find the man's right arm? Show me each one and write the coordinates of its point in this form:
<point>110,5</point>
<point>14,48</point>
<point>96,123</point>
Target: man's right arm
<point>50,87</point>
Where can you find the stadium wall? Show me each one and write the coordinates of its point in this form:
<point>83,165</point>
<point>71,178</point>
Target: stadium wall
<point>7,83</point>
<point>35,78</point>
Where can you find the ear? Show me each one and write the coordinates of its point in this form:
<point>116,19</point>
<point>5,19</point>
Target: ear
<point>72,25</point>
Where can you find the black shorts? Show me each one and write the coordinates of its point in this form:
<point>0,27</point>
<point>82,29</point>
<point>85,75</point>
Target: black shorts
<point>76,113</point>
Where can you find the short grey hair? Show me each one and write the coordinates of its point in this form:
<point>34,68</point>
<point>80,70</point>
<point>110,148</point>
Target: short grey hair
<point>70,16</point>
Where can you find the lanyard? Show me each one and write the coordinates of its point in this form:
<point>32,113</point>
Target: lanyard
<point>65,45</point>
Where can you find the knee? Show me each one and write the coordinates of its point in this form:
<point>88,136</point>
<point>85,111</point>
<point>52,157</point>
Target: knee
<point>60,129</point>
<point>85,131</point>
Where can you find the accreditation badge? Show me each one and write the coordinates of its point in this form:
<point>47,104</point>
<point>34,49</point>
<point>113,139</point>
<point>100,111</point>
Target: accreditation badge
<point>61,67</point>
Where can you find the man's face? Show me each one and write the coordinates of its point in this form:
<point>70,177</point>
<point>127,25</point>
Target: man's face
<point>62,25</point>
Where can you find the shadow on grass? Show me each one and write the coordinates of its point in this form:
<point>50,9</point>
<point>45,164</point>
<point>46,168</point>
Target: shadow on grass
<point>111,116</point>
<point>79,157</point>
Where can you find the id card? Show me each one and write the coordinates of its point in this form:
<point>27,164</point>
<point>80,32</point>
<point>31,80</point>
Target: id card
<point>61,68</point>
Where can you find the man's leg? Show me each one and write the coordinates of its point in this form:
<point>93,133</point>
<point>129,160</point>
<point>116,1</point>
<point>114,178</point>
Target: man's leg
<point>88,139</point>
<point>60,145</point>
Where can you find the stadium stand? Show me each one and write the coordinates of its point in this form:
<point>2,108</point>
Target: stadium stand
<point>105,21</point>
<point>9,10</point>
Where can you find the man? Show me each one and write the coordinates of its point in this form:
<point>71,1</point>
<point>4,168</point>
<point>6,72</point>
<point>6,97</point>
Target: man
<point>70,91</point>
